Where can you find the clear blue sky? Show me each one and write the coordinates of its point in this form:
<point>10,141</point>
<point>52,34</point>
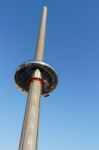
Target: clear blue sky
<point>70,116</point>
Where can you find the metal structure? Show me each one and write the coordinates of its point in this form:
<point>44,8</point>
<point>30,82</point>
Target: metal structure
<point>36,78</point>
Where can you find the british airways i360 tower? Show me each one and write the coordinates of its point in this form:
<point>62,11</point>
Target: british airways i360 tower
<point>37,78</point>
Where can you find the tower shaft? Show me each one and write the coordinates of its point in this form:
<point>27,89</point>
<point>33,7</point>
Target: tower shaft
<point>39,54</point>
<point>29,135</point>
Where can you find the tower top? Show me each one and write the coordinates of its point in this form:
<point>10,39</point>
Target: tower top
<point>39,54</point>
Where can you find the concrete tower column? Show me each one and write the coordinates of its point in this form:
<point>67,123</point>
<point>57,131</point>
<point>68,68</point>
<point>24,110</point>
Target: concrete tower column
<point>29,135</point>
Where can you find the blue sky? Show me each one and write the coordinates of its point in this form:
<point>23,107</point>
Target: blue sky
<point>70,115</point>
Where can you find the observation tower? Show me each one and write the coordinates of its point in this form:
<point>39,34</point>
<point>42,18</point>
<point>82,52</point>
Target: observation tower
<point>37,78</point>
